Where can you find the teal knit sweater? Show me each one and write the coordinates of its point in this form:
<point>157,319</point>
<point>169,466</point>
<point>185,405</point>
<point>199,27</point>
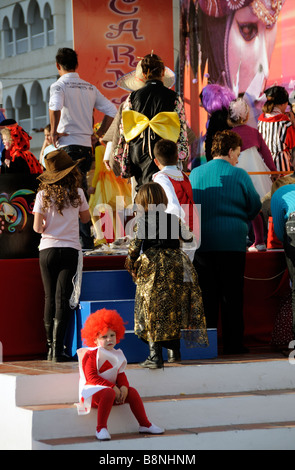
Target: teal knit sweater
<point>282,204</point>
<point>228,202</point>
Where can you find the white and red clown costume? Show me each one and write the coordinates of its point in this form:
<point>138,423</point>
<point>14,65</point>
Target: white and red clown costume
<point>100,370</point>
<point>102,373</point>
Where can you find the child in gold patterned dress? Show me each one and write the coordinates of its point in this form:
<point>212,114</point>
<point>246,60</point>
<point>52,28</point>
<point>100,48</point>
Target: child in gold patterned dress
<point>168,297</point>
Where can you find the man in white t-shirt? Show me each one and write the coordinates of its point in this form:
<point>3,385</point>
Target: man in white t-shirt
<point>71,105</point>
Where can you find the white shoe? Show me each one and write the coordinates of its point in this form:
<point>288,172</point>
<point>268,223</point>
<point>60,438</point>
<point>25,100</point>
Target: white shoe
<point>153,429</point>
<point>103,435</point>
<point>255,248</point>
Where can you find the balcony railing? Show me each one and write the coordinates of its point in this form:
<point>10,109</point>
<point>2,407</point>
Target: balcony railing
<point>22,45</point>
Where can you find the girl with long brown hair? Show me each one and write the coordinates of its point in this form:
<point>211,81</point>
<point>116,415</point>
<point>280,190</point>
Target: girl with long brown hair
<point>59,204</point>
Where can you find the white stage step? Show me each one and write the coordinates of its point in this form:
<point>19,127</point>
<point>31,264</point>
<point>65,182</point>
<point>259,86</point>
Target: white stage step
<point>59,421</point>
<point>264,436</point>
<point>60,384</point>
<point>246,404</point>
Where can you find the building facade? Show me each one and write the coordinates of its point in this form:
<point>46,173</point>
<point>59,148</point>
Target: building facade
<point>31,31</point>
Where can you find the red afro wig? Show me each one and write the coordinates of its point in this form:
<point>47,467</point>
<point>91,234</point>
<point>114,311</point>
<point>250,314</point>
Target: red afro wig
<point>99,323</point>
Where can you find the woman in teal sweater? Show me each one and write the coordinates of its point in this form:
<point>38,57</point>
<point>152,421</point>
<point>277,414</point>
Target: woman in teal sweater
<point>228,202</point>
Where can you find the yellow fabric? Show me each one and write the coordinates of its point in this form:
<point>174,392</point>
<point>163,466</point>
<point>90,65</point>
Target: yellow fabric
<point>164,124</point>
<point>107,187</point>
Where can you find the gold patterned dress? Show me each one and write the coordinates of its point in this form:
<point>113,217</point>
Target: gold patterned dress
<point>168,298</point>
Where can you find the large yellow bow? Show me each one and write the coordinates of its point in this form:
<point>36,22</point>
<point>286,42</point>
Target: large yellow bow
<point>164,124</point>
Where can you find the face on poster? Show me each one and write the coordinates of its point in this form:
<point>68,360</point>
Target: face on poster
<point>231,42</point>
<point>253,43</point>
<point>238,39</point>
<point>111,36</point>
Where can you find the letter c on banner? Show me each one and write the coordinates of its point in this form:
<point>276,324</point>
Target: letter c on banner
<point>114,8</point>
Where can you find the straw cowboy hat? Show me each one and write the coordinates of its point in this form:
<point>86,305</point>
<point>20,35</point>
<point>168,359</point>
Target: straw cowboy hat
<point>135,80</point>
<point>58,164</point>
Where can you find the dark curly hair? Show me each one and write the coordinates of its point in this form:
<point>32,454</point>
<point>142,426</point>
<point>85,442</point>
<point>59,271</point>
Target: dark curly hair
<point>64,192</point>
<point>224,141</point>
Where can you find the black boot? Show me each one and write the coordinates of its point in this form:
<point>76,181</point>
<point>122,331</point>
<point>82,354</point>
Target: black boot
<point>59,330</point>
<point>173,350</point>
<point>155,359</point>
<point>49,333</point>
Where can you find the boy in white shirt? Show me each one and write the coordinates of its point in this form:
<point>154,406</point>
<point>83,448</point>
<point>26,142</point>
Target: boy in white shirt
<point>71,104</point>
<point>177,187</point>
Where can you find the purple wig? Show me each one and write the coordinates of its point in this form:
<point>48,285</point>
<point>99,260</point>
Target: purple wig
<point>215,97</point>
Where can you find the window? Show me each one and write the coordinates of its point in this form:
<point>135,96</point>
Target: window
<point>21,30</point>
<point>37,28</point>
<point>49,25</point>
<point>8,38</point>
<point>21,101</point>
<point>38,107</point>
<point>9,110</point>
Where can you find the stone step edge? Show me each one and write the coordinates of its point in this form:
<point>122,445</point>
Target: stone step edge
<point>172,398</point>
<point>170,433</point>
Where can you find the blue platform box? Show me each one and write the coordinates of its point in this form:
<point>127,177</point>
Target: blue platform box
<point>115,290</point>
<point>107,285</point>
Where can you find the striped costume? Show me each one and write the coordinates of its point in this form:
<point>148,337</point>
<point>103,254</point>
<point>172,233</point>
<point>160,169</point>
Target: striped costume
<point>279,135</point>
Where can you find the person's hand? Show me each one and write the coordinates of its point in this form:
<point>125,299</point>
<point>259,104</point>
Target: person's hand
<point>118,394</point>
<point>123,393</point>
<point>291,116</point>
<point>94,140</point>
<point>91,190</point>
<point>54,137</point>
<point>107,164</point>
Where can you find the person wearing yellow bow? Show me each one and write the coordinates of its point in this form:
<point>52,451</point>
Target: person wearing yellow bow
<point>150,113</point>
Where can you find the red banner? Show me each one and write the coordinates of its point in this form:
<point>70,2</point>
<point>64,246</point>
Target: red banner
<point>110,37</point>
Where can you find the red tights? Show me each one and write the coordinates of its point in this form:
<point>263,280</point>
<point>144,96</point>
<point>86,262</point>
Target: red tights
<point>104,400</point>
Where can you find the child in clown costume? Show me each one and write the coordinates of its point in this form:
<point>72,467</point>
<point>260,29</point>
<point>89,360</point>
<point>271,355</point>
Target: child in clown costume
<point>103,382</point>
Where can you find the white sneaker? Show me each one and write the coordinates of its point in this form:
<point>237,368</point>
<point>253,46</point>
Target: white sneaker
<point>103,435</point>
<point>256,248</point>
<point>153,429</point>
